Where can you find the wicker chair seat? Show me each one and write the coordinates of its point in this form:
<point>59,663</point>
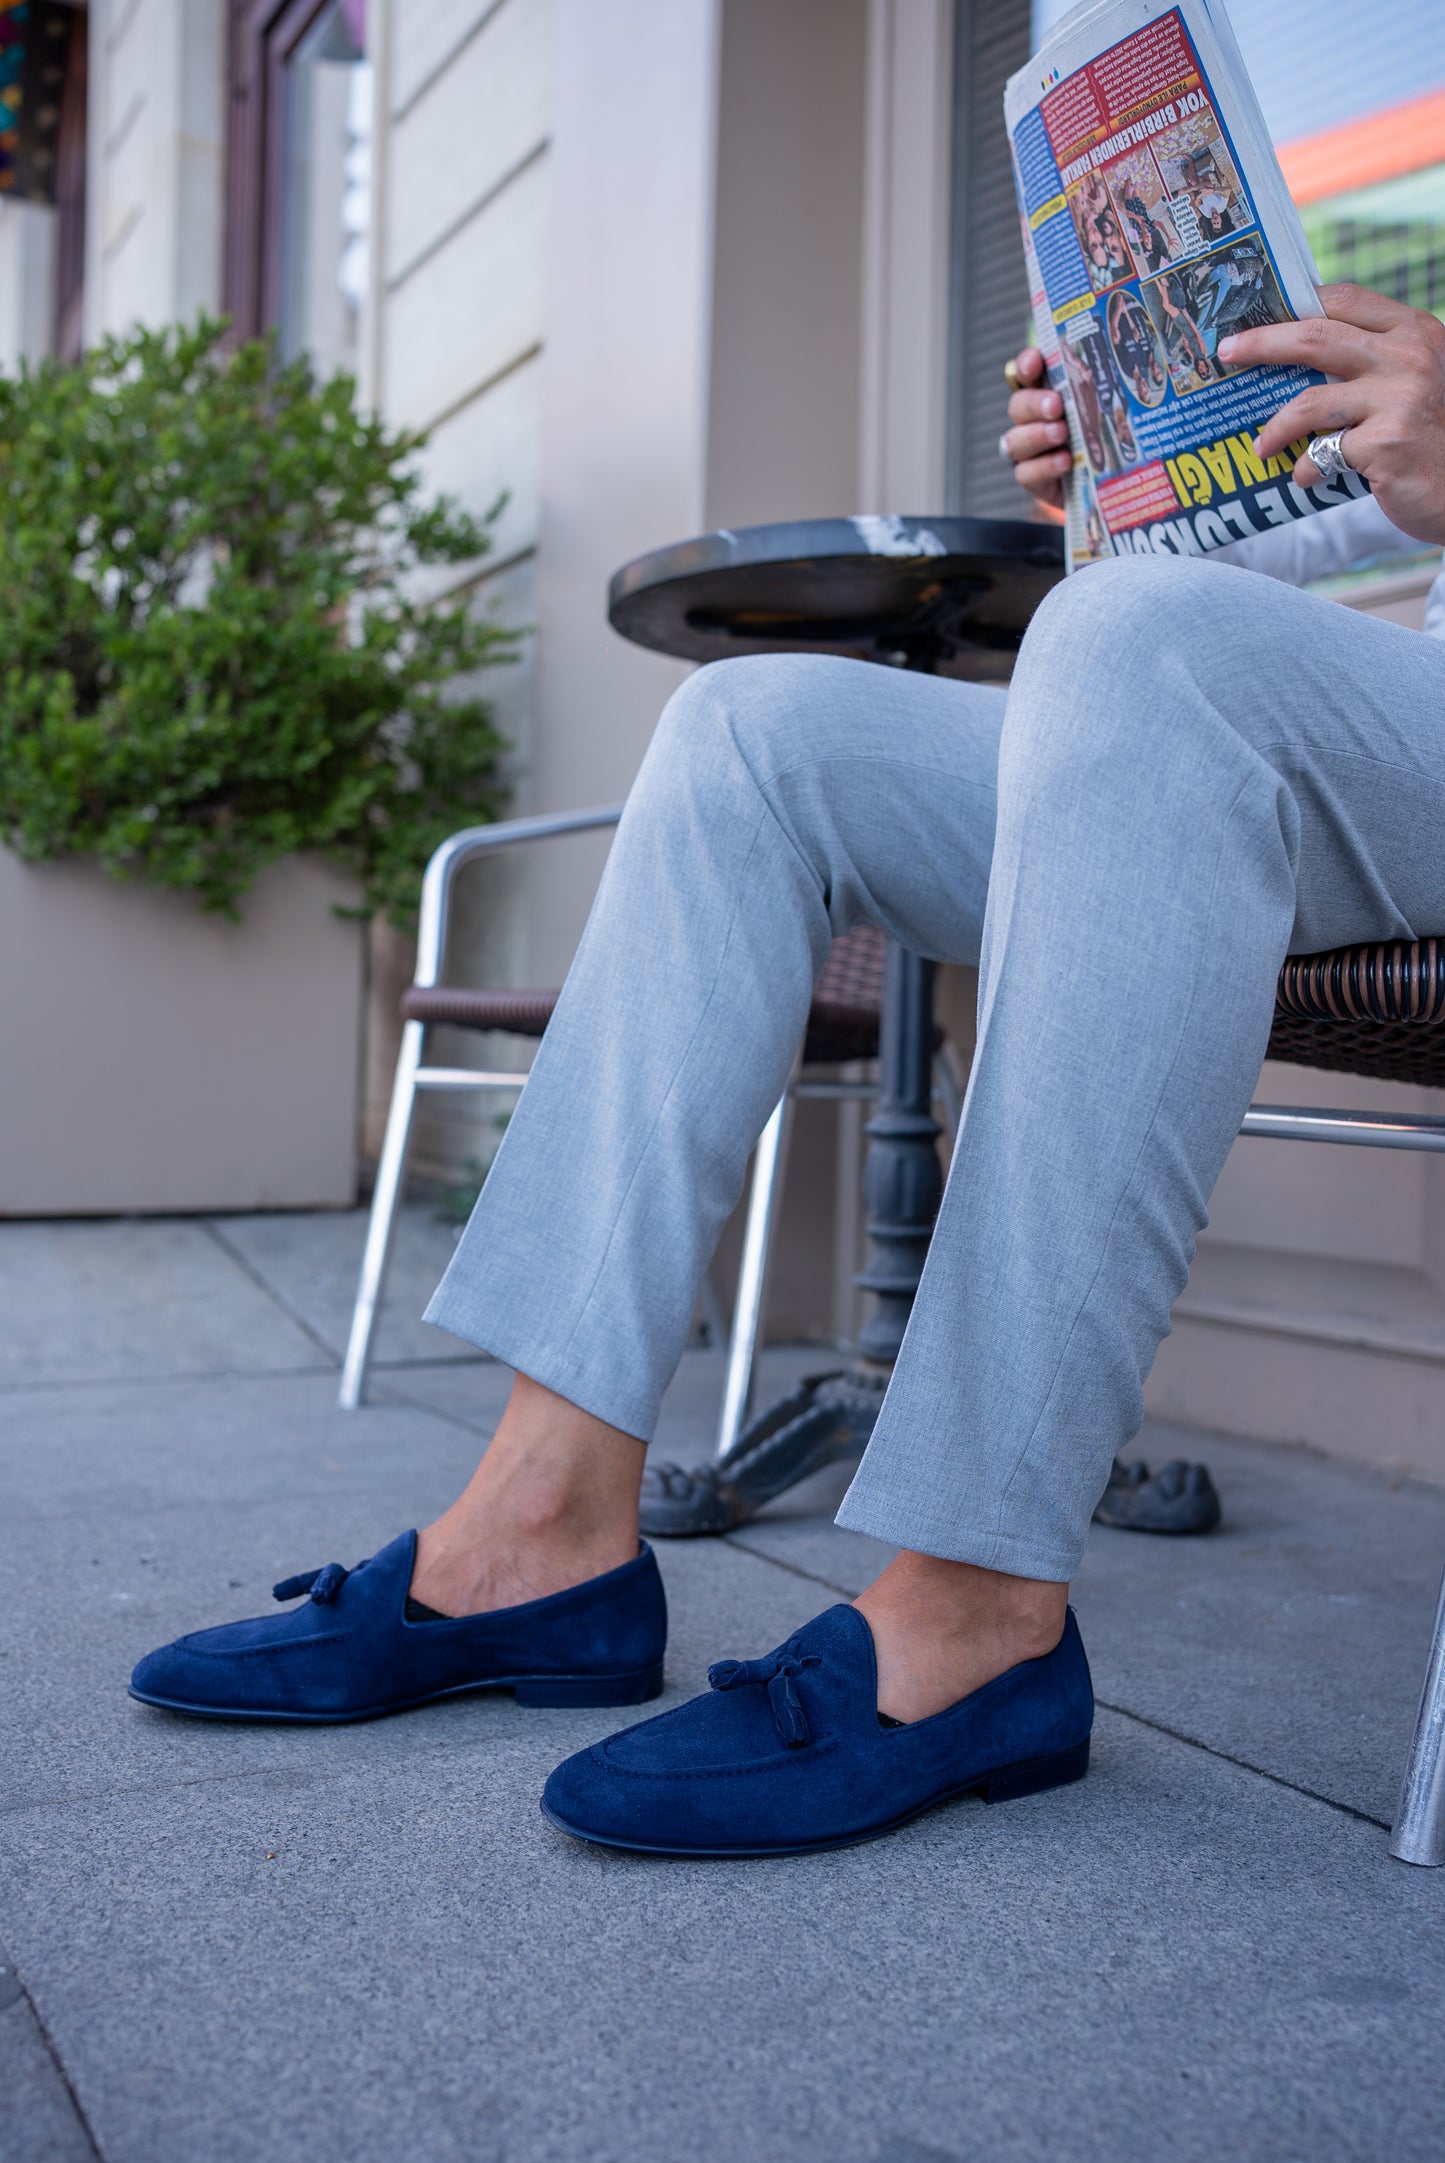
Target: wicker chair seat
<point>842,1021</point>
<point>1377,1010</point>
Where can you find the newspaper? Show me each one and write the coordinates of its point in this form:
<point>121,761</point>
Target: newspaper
<point>1156,220</point>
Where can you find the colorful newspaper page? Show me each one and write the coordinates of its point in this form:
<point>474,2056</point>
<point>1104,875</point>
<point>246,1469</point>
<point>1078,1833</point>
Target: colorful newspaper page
<point>1155,222</point>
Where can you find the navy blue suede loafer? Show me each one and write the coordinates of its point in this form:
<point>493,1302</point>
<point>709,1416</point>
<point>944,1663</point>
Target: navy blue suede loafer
<point>350,1653</point>
<point>788,1753</point>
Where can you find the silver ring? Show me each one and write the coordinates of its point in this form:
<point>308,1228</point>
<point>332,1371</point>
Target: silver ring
<point>1327,455</point>
<point>1003,449</point>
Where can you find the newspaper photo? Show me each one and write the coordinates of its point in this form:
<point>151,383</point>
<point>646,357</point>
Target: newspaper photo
<point>1156,221</point>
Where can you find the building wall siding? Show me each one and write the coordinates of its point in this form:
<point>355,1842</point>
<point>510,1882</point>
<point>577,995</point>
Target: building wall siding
<point>467,126</point>
<point>903,331</point>
<point>464,95</point>
<point>156,161</point>
<point>786,290</point>
<point>469,310</point>
<point>27,273</point>
<point>433,36</point>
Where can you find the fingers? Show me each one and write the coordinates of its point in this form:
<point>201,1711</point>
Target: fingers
<point>1025,406</point>
<point>1037,440</point>
<point>1336,349</point>
<point>1044,477</point>
<point>1306,473</point>
<point>1316,412</point>
<point>1356,304</point>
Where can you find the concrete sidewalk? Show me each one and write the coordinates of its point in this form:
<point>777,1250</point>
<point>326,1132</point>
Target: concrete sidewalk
<point>247,1945</point>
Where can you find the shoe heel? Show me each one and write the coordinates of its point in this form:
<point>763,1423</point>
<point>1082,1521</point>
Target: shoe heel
<point>591,1689</point>
<point>1036,1774</point>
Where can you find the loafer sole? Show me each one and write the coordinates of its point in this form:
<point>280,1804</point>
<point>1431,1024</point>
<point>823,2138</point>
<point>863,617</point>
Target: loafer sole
<point>1032,1777</point>
<point>634,1689</point>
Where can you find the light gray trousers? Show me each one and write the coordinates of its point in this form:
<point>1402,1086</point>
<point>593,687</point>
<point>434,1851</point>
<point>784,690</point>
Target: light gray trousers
<point>1195,771</point>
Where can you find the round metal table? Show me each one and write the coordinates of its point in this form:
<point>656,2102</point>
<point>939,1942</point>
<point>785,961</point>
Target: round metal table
<point>946,596</point>
<point>951,596</point>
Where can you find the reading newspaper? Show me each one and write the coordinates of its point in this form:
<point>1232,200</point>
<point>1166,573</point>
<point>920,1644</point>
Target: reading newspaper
<point>1156,220</point>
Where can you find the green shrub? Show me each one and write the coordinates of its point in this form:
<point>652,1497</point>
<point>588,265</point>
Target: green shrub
<point>214,647</point>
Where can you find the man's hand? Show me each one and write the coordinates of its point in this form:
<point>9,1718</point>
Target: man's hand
<point>1390,398</point>
<point>1038,437</point>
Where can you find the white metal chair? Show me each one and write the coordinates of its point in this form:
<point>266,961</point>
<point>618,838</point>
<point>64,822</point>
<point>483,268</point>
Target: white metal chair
<point>412,1076</point>
<point>1376,1010</point>
<point>842,1029</point>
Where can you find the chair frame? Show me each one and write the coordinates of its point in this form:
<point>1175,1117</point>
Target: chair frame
<point>1418,1834</point>
<point>412,1076</point>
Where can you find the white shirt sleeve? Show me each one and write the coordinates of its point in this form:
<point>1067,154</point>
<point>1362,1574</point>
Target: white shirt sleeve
<point>1435,608</point>
<point>1333,541</point>
<point>1318,547</point>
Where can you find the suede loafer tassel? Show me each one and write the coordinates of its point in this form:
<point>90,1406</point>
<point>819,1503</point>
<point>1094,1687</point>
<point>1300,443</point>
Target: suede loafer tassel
<point>350,1652</point>
<point>788,1753</point>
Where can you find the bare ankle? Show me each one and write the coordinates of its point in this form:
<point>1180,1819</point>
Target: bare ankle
<point>553,1502</point>
<point>941,1629</point>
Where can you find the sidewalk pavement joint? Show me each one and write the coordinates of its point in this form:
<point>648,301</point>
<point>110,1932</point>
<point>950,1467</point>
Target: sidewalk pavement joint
<point>263,1284</point>
<point>37,2098</point>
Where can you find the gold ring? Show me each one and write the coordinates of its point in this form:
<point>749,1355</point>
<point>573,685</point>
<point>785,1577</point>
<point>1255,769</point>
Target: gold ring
<point>1011,375</point>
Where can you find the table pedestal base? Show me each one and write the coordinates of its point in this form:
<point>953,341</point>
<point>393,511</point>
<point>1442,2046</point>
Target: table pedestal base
<point>828,1418</point>
<point>831,1416</point>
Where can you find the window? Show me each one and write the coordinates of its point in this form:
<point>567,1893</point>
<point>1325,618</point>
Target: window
<point>298,197</point>
<point>69,325</point>
<point>989,294</point>
<point>42,161</point>
<point>325,195</point>
<point>1363,147</point>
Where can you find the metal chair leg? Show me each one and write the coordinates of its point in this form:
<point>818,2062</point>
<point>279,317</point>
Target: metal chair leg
<point>769,1162</point>
<point>390,1173</point>
<point>1419,1832</point>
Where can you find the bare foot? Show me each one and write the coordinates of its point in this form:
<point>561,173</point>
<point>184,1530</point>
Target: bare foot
<point>941,1630</point>
<point>552,1503</point>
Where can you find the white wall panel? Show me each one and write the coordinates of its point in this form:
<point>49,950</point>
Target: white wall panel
<point>786,293</point>
<point>156,155</point>
<point>27,277</point>
<point>904,331</point>
<point>427,35</point>
<point>492,444</point>
<point>625,366</point>
<point>460,327</point>
<point>468,310</point>
<point>472,126</point>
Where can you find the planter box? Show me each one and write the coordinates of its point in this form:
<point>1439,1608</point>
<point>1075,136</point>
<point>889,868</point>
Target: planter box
<point>154,1058</point>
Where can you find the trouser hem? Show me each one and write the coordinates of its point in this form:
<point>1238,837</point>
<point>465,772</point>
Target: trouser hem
<point>922,1534</point>
<point>565,1376</point>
